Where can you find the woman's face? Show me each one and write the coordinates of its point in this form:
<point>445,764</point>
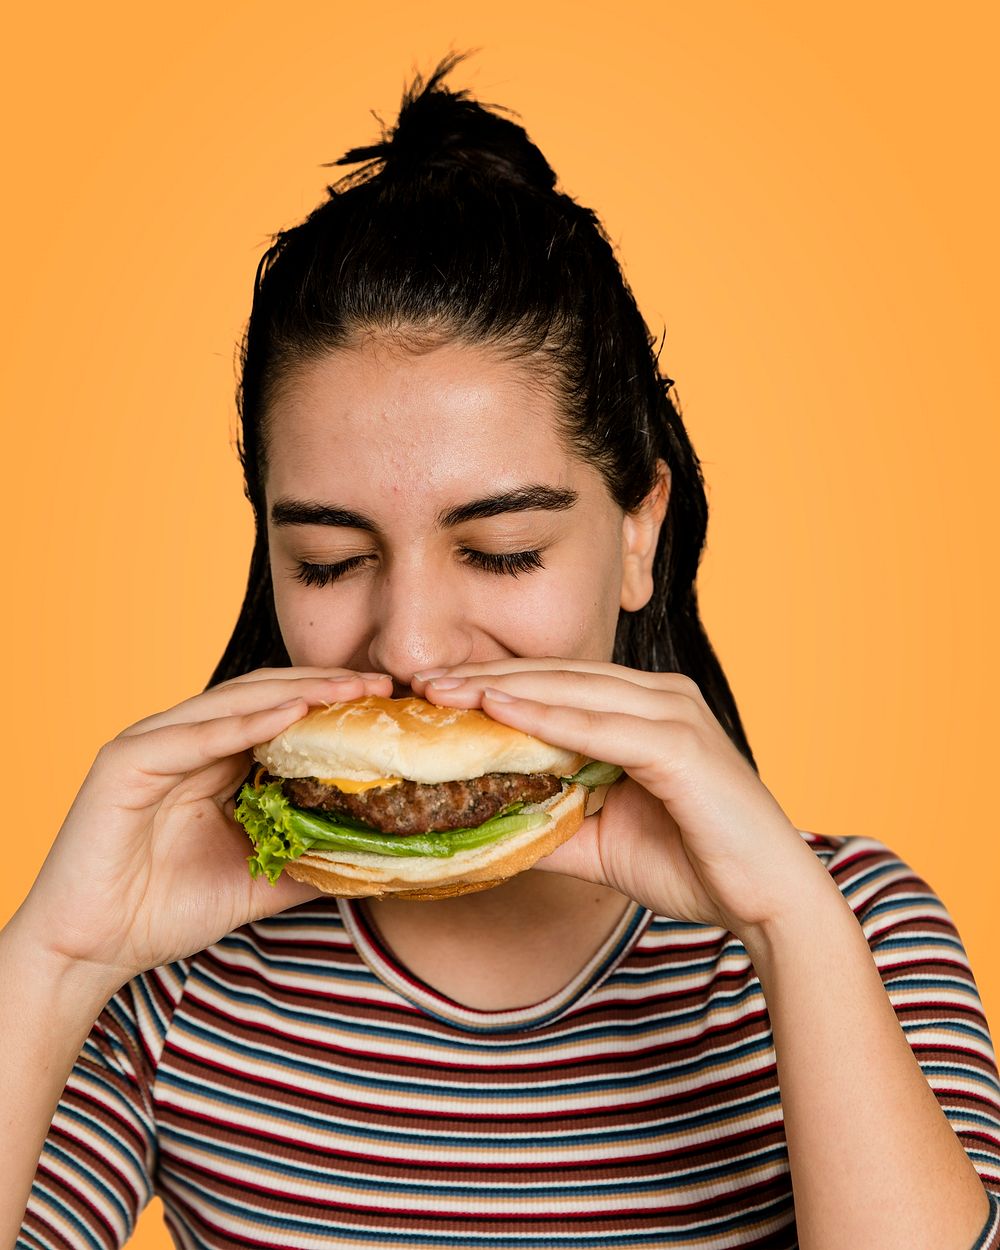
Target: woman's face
<point>423,511</point>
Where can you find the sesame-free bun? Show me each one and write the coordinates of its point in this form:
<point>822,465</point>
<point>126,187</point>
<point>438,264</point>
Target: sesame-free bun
<point>365,739</point>
<point>359,874</point>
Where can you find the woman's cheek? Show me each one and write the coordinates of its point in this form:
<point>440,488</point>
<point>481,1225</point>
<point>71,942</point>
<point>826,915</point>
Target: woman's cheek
<point>564,615</point>
<point>316,635</point>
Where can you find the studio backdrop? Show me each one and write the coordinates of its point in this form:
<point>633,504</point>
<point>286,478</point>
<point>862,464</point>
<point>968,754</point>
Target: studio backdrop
<point>805,203</point>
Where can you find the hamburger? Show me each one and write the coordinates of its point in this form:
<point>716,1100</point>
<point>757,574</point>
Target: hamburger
<point>400,797</point>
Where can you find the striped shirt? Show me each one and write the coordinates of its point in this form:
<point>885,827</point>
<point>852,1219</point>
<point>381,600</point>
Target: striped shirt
<point>294,1086</point>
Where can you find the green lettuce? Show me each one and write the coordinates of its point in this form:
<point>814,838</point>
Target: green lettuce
<point>595,774</point>
<point>281,832</point>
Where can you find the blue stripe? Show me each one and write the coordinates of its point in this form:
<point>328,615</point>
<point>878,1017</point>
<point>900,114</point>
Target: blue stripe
<point>970,1118</point>
<point>908,982</point>
<point>869,875</point>
<point>988,1162</point>
<point>951,1025</point>
<point>899,902</point>
<point>953,1069</point>
<point>937,939</point>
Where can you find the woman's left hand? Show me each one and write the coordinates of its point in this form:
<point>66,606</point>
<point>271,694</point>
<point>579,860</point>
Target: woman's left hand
<point>691,832</point>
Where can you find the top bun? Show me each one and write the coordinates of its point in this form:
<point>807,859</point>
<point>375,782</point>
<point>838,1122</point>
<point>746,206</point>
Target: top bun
<point>366,739</point>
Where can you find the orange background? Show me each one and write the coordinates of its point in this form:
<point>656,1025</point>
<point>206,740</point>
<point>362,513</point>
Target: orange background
<point>806,200</point>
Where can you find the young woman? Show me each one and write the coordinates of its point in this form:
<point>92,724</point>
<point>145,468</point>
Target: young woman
<point>692,1025</point>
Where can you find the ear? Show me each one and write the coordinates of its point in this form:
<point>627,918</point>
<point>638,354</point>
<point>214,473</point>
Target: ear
<point>640,532</point>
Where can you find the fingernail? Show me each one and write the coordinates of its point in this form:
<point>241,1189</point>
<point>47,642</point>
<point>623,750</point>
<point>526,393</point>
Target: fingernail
<point>446,683</point>
<point>376,676</point>
<point>426,674</point>
<point>341,677</point>
<point>499,696</point>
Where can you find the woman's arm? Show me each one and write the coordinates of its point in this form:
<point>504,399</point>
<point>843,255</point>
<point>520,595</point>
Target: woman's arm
<point>47,1008</point>
<point>148,868</point>
<point>693,833</point>
<point>874,1161</point>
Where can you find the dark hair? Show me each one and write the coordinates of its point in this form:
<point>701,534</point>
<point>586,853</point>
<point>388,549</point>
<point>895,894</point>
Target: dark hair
<point>453,229</point>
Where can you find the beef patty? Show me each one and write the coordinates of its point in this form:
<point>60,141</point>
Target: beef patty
<point>410,807</point>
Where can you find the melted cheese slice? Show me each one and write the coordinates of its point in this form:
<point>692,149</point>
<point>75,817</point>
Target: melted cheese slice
<point>356,787</point>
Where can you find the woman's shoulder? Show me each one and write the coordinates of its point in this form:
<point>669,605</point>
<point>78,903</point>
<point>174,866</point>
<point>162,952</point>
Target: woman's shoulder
<point>884,890</point>
<point>852,852</point>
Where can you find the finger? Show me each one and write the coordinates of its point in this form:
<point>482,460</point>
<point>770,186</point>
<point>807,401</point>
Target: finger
<point>678,682</point>
<point>636,744</point>
<point>218,781</point>
<point>238,699</point>
<point>579,856</point>
<point>164,754</point>
<point>267,898</point>
<point>594,691</point>
<point>297,670</point>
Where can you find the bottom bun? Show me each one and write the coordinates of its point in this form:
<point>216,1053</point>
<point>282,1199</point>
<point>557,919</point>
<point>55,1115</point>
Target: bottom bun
<point>361,874</point>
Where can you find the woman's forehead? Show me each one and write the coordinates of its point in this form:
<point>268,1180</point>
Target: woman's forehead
<point>439,422</point>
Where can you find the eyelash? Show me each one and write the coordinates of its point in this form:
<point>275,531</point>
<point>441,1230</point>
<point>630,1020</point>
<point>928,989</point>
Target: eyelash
<point>511,563</point>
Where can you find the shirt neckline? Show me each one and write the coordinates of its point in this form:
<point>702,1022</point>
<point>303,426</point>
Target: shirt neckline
<point>386,967</point>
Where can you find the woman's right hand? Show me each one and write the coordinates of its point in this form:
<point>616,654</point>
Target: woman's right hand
<point>150,865</point>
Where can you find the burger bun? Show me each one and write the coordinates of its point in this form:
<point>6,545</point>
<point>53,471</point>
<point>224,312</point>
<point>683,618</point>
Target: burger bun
<point>367,739</point>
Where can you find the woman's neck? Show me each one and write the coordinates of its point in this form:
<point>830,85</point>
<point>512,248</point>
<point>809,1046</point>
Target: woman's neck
<point>511,946</point>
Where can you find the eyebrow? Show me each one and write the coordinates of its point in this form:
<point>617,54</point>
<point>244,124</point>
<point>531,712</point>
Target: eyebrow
<point>521,499</point>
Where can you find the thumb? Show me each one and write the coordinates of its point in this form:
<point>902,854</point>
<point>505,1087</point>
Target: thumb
<point>267,899</point>
<point>579,856</point>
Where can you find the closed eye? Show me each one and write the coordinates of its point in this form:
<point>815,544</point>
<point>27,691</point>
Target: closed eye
<point>323,574</point>
<point>510,563</point>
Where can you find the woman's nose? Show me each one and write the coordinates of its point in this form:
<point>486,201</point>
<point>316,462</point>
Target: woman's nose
<point>418,625</point>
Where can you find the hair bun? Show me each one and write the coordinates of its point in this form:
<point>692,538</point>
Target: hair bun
<point>446,130</point>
